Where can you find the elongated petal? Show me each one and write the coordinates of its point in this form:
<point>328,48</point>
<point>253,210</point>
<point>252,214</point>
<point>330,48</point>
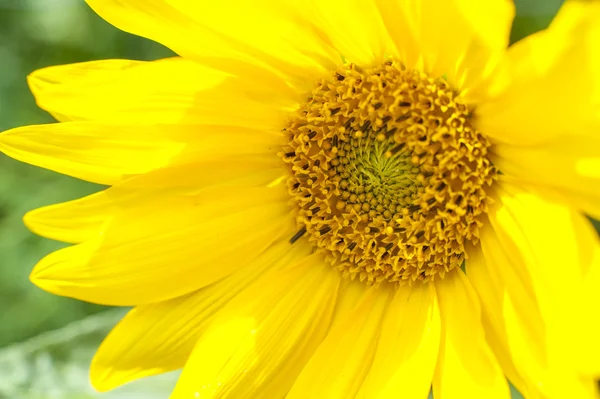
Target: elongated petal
<point>73,221</point>
<point>557,70</point>
<point>86,218</point>
<point>480,278</point>
<point>172,90</point>
<point>407,350</point>
<point>466,365</point>
<point>527,226</point>
<point>260,342</point>
<point>339,366</point>
<point>107,153</point>
<point>528,291</point>
<point>143,253</point>
<point>274,35</point>
<point>587,326</point>
<point>159,337</point>
<point>354,28</point>
<point>99,153</point>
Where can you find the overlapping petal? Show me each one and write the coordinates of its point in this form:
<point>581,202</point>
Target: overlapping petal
<point>460,39</point>
<point>407,349</point>
<point>172,90</point>
<point>275,35</point>
<point>549,86</point>
<point>159,337</point>
<point>340,365</point>
<point>143,252</point>
<point>466,365</point>
<point>528,291</point>
<point>258,344</point>
<point>88,217</point>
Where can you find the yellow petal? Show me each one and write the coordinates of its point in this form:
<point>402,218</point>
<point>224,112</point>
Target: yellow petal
<point>355,29</point>
<point>549,86</point>
<point>461,39</point>
<point>401,21</point>
<point>107,153</point>
<point>245,170</point>
<point>583,321</point>
<point>99,153</point>
<point>568,165</point>
<point>258,344</point>
<point>485,284</point>
<point>172,90</point>
<point>157,338</point>
<point>339,366</point>
<point>529,292</point>
<point>73,221</point>
<point>527,226</point>
<point>465,39</point>
<point>145,250</point>
<point>466,365</point>
<point>86,218</point>
<point>408,346</point>
<point>272,34</point>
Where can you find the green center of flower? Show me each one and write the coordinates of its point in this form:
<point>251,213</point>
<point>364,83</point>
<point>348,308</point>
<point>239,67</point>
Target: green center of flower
<point>387,175</point>
<point>377,174</point>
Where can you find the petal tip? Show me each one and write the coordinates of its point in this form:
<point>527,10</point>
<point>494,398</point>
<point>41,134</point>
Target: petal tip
<point>41,280</point>
<point>39,80</point>
<point>100,376</point>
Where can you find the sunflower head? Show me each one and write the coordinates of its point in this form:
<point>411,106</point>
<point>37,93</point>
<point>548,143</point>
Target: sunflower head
<point>436,185</point>
<point>388,175</point>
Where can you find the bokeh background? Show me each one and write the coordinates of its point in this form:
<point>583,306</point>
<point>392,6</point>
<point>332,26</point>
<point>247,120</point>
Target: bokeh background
<point>46,342</point>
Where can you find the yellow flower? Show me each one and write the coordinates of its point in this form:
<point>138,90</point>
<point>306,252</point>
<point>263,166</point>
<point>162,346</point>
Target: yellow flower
<point>334,199</point>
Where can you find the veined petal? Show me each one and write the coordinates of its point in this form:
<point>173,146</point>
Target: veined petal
<point>555,69</point>
<point>73,221</point>
<point>99,153</point>
<point>159,337</point>
<point>466,365</point>
<point>408,346</point>
<point>461,39</point>
<point>527,304</point>
<point>475,35</point>
<point>273,35</point>
<point>355,29</point>
<point>260,342</point>
<point>86,218</point>
<point>485,284</point>
<point>145,250</point>
<point>401,22</point>
<point>107,153</point>
<point>339,366</point>
<point>171,90</point>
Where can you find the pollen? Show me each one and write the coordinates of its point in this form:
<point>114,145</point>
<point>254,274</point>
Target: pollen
<point>388,177</point>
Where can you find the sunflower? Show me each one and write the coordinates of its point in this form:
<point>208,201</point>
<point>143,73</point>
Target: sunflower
<point>368,198</point>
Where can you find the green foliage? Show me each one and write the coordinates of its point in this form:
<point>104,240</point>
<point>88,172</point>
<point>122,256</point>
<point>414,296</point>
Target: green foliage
<point>54,365</point>
<point>533,16</point>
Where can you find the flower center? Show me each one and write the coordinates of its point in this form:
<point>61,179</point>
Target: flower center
<point>387,175</point>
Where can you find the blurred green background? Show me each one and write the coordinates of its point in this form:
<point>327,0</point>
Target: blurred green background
<point>46,342</point>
